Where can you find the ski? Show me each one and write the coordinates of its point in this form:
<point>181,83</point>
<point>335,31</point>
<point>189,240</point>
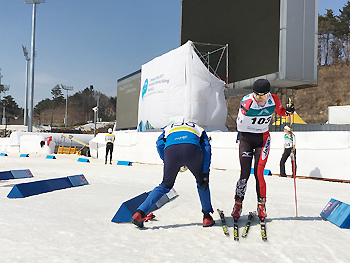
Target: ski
<point>149,217</point>
<point>223,222</point>
<point>263,229</point>
<point>235,230</point>
<point>248,223</point>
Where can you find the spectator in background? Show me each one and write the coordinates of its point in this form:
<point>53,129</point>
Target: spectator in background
<point>289,144</point>
<point>110,137</point>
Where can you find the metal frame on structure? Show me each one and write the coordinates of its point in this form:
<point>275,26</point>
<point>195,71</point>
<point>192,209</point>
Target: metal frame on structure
<point>205,57</point>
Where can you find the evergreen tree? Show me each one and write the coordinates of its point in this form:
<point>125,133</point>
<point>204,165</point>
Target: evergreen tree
<point>343,29</point>
<point>41,107</point>
<point>326,29</point>
<point>336,51</point>
<point>3,88</point>
<point>57,96</point>
<point>11,107</point>
<point>57,99</point>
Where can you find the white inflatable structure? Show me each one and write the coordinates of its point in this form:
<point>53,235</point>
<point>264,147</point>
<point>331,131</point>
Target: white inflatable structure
<point>177,86</point>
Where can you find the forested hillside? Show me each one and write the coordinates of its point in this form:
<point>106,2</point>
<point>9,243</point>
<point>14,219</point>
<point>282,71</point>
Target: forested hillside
<point>52,111</point>
<point>312,103</point>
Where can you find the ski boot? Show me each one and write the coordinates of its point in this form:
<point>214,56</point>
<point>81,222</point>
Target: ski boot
<point>237,210</point>
<point>138,218</point>
<point>207,219</point>
<point>262,209</point>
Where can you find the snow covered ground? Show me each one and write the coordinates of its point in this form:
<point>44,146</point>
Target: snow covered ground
<point>74,225</point>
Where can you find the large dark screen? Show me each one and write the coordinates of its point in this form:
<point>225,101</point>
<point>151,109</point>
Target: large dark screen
<point>250,27</point>
<point>128,91</point>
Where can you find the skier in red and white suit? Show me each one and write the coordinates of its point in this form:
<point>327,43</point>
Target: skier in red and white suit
<point>253,121</point>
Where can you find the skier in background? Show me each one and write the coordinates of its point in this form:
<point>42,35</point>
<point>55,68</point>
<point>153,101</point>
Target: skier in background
<point>253,121</point>
<point>181,144</point>
<point>110,137</point>
<point>289,144</point>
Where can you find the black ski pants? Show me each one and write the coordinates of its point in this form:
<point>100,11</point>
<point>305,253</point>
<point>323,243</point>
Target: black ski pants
<point>284,158</point>
<point>109,149</point>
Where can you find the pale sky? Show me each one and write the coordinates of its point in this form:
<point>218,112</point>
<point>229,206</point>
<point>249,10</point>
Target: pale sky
<point>82,43</point>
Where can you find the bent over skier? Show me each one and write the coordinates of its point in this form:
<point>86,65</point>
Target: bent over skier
<point>181,144</point>
<point>253,120</point>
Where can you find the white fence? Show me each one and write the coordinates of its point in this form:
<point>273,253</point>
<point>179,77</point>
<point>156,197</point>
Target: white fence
<point>319,154</point>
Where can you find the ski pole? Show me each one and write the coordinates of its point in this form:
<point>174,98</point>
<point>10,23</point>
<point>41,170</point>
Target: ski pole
<point>293,163</point>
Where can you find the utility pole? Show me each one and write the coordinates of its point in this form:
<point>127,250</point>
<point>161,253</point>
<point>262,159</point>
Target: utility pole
<point>95,109</point>
<point>31,93</point>
<point>96,95</point>
<point>67,88</point>
<point>25,53</point>
<point>98,105</point>
<point>3,89</point>
<point>3,112</point>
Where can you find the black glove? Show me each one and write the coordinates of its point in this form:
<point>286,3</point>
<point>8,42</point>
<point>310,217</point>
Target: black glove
<point>205,182</point>
<point>290,109</point>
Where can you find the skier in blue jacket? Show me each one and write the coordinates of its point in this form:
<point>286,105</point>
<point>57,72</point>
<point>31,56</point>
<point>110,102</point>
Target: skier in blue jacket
<point>181,144</point>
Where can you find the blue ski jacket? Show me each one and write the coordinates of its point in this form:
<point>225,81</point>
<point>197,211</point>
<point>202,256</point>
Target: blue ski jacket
<point>183,132</point>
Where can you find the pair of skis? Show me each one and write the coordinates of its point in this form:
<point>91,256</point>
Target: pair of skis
<point>246,228</point>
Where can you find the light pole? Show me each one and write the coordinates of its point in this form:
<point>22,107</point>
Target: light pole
<point>95,109</point>
<point>98,103</point>
<point>66,118</point>
<point>32,55</point>
<point>25,52</point>
<point>3,88</point>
